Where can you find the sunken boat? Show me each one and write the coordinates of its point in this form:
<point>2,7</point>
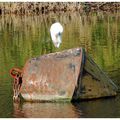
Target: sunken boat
<point>64,76</point>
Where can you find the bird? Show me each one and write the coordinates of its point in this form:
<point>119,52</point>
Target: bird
<point>56,30</point>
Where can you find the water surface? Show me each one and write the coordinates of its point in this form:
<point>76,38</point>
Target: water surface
<point>24,37</point>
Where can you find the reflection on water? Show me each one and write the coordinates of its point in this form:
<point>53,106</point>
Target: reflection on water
<point>47,110</point>
<point>24,37</point>
<point>101,108</point>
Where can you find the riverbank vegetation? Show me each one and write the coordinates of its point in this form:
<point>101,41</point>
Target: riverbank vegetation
<point>33,8</point>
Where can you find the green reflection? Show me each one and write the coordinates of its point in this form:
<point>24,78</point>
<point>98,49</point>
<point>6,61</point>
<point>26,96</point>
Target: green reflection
<point>24,37</point>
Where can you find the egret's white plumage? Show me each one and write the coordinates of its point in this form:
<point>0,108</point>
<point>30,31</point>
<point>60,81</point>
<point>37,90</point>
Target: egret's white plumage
<point>56,30</point>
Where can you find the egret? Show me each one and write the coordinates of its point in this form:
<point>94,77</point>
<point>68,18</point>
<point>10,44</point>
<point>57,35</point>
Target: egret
<point>56,30</point>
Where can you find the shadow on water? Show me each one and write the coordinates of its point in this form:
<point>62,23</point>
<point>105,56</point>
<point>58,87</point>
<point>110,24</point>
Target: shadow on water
<point>24,37</point>
<point>100,108</point>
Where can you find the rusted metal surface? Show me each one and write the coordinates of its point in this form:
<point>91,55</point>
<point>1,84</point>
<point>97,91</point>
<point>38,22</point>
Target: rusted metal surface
<point>52,77</point>
<point>16,73</point>
<point>67,75</point>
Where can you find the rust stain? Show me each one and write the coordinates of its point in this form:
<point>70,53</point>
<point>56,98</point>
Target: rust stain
<point>58,76</point>
<point>52,75</point>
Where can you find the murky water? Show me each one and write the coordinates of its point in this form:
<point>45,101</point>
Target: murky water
<point>24,37</point>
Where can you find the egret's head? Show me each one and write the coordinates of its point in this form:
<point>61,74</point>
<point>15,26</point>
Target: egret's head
<point>56,33</point>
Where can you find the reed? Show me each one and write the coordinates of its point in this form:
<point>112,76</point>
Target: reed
<point>29,8</point>
<point>36,8</point>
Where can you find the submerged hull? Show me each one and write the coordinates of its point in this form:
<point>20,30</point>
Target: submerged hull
<point>94,83</point>
<point>67,75</point>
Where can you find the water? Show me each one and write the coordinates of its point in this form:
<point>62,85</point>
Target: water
<point>24,37</point>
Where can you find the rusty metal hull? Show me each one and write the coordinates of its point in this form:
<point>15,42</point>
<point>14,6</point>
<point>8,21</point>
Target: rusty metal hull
<point>52,77</point>
<point>67,75</point>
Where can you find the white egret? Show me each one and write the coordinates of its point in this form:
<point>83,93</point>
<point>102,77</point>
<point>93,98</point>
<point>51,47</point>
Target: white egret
<point>56,30</point>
